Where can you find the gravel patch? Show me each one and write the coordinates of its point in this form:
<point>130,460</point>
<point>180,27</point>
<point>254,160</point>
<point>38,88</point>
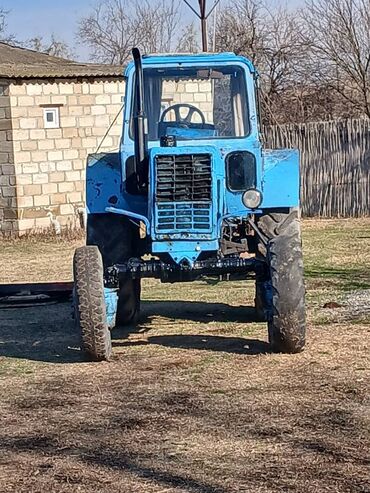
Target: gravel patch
<point>353,306</point>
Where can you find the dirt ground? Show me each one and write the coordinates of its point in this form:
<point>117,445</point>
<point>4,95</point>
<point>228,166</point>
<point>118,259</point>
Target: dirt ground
<point>193,401</point>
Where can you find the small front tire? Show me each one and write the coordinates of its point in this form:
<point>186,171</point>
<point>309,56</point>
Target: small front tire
<point>89,303</point>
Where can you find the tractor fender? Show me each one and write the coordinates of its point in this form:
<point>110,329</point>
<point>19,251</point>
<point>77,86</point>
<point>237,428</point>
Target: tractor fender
<point>280,178</point>
<point>103,182</point>
<point>105,187</point>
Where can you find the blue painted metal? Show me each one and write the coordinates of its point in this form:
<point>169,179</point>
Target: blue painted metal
<point>184,250</point>
<point>200,60</point>
<point>189,133</point>
<point>133,215</point>
<point>104,186</point>
<point>277,172</point>
<point>103,182</point>
<point>111,298</point>
<point>280,186</point>
<point>191,60</point>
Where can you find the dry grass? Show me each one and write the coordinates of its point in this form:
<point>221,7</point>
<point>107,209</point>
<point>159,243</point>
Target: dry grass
<point>37,260</point>
<point>193,401</point>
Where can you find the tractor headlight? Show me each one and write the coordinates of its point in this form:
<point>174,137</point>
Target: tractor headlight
<point>252,198</point>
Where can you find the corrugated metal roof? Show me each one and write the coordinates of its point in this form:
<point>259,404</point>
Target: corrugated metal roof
<point>16,62</point>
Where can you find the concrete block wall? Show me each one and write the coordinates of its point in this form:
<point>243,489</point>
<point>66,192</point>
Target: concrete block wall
<point>50,163</point>
<point>8,198</point>
<point>194,92</point>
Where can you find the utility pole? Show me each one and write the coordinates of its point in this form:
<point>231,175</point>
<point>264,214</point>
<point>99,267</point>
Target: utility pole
<point>203,16</point>
<point>203,23</point>
<point>214,28</point>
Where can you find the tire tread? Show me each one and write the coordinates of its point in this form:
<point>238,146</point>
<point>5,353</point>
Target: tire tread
<point>286,310</point>
<point>90,311</point>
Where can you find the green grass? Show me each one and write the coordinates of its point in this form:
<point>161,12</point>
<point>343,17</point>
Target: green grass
<point>336,259</point>
<point>337,249</point>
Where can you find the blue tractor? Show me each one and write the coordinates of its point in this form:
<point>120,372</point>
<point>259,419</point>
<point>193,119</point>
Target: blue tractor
<point>191,193</point>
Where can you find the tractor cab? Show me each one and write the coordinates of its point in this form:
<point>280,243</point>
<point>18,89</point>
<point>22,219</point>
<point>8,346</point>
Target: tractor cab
<point>190,102</point>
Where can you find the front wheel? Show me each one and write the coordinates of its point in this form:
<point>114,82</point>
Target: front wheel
<point>89,303</point>
<point>285,305</point>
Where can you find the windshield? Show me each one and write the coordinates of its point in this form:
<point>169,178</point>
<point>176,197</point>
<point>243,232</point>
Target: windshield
<point>196,103</point>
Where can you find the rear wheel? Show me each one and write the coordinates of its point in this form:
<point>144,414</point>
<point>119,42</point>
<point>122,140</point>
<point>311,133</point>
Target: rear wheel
<point>128,307</point>
<point>89,303</point>
<point>283,294</point>
<point>260,301</point>
<point>118,240</point>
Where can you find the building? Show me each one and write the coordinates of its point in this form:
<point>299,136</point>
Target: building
<point>53,113</point>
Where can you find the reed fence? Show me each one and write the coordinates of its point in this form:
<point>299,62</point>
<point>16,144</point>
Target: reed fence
<point>335,165</point>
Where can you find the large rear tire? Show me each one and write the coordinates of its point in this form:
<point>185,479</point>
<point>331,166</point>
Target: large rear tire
<point>284,293</point>
<point>89,303</point>
<point>260,300</point>
<point>128,306</point>
<point>118,240</point>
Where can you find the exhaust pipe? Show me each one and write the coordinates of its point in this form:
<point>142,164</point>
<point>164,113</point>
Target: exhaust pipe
<point>140,125</point>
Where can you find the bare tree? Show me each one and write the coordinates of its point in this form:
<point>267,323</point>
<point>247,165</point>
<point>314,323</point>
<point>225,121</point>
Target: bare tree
<point>157,24</point>
<point>55,47</point>
<point>339,34</point>
<point>284,51</point>
<point>271,38</point>
<point>108,32</point>
<point>239,28</point>
<point>115,26</point>
<point>5,37</point>
<point>189,40</point>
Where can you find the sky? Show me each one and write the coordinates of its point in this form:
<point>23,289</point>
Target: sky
<point>30,18</point>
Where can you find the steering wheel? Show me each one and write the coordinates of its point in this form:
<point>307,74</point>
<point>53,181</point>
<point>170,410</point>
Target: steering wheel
<point>183,121</point>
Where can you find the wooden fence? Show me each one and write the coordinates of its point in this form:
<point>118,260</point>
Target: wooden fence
<point>335,165</point>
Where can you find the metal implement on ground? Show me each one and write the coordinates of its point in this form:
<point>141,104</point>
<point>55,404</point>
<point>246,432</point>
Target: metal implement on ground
<point>23,295</point>
<point>192,193</point>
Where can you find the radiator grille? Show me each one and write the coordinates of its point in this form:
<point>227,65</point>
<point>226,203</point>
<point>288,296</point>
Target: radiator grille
<point>183,178</point>
<point>184,216</point>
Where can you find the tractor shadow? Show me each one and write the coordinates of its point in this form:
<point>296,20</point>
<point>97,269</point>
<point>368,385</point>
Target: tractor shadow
<point>46,333</point>
<point>171,312</point>
<point>224,344</point>
<point>196,311</point>
<point>40,333</point>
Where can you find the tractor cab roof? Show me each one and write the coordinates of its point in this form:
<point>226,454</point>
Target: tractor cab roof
<point>205,59</point>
